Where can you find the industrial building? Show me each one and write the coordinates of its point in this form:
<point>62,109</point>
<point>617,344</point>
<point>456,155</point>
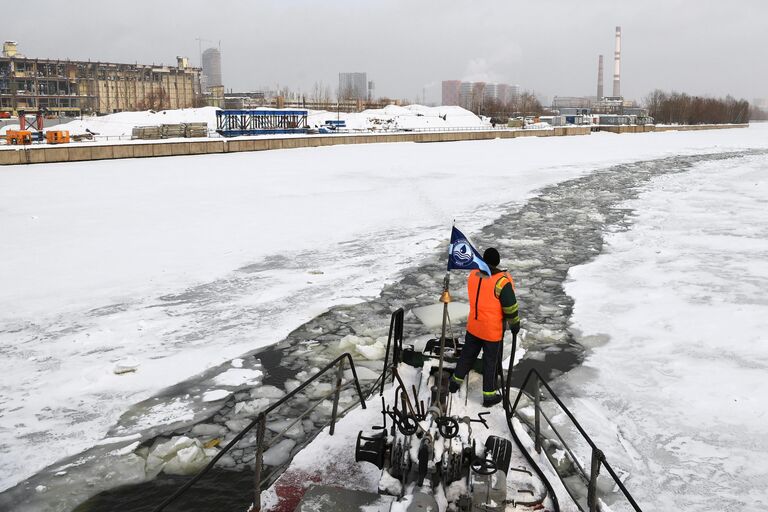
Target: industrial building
<point>560,102</point>
<point>84,87</point>
<point>601,104</point>
<point>353,86</point>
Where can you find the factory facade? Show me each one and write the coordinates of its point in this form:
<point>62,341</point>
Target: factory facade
<point>85,87</point>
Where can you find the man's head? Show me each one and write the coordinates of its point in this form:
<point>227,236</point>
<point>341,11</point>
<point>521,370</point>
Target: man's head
<point>491,257</point>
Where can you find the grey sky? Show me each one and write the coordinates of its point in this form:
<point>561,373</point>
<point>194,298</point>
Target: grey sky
<point>697,46</point>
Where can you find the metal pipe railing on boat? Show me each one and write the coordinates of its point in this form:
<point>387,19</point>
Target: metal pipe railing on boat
<point>396,336</point>
<point>261,421</point>
<point>598,457</point>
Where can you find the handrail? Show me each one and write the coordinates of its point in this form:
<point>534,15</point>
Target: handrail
<point>505,392</point>
<point>598,457</point>
<point>396,335</point>
<point>260,420</point>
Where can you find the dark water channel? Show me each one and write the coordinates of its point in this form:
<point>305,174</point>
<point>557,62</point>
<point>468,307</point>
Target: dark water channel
<point>561,227</point>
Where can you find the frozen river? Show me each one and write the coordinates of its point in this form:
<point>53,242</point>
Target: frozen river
<point>676,317</point>
<point>173,266</point>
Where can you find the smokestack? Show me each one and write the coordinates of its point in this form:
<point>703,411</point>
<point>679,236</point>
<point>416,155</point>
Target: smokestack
<point>600,78</point>
<point>617,65</point>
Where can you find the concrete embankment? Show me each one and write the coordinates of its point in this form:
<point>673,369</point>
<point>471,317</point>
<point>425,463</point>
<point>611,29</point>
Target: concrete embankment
<point>84,152</point>
<point>655,128</point>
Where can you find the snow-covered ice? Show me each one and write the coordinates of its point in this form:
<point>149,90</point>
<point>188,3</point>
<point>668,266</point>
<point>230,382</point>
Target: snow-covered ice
<point>178,456</point>
<point>215,395</point>
<point>238,377</point>
<point>179,264</point>
<point>280,453</point>
<point>676,316</point>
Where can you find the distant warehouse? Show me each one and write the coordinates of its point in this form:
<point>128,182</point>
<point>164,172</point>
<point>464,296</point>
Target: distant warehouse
<point>84,87</point>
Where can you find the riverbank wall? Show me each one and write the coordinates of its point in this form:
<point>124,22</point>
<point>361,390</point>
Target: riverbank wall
<point>36,154</point>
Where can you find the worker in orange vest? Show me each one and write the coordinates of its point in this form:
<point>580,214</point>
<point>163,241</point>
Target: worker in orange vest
<point>492,303</point>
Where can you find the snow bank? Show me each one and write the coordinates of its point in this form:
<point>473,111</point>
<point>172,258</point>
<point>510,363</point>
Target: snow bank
<point>122,124</point>
<point>411,117</point>
<point>388,118</point>
<point>7,127</point>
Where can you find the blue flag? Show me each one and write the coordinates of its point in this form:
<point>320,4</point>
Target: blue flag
<point>462,256</point>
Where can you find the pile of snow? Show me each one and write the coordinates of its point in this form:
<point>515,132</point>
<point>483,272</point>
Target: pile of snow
<point>538,126</point>
<point>7,127</point>
<point>122,124</point>
<point>393,117</point>
<point>389,118</point>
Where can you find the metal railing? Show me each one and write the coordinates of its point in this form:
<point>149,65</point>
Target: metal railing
<point>260,422</point>
<point>396,337</point>
<point>598,460</point>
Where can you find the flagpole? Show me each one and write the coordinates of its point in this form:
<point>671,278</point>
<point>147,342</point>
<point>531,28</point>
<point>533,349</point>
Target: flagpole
<point>445,298</point>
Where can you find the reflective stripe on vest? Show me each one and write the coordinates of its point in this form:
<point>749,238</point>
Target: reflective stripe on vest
<point>486,319</point>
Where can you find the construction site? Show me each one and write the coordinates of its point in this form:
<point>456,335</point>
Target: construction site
<point>73,88</point>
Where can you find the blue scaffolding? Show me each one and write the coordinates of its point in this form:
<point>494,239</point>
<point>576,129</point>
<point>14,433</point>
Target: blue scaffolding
<point>233,123</point>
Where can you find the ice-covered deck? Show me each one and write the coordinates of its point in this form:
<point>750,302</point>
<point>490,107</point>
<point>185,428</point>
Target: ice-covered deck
<point>330,459</point>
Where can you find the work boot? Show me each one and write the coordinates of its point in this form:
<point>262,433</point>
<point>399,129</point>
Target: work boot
<point>455,384</point>
<point>491,400</point>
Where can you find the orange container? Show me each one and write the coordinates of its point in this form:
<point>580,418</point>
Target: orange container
<point>57,137</point>
<point>18,137</point>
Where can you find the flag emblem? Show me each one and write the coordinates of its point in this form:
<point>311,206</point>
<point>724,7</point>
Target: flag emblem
<point>462,252</point>
<point>462,256</point>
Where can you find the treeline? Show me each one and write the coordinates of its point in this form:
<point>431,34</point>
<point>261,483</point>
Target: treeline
<point>525,104</point>
<point>680,108</point>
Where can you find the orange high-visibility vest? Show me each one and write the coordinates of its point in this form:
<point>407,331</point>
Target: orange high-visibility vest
<point>486,318</point>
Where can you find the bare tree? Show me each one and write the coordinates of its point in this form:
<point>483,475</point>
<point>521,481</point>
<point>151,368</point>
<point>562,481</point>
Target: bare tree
<point>315,97</point>
<point>327,95</point>
<point>669,108</point>
<point>156,99</point>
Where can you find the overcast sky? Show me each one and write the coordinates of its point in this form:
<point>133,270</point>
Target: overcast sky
<point>551,47</point>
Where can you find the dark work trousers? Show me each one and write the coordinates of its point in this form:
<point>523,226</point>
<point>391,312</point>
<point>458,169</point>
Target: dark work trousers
<point>472,347</point>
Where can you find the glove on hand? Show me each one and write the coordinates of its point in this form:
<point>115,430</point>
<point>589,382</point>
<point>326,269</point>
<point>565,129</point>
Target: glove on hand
<point>515,328</point>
